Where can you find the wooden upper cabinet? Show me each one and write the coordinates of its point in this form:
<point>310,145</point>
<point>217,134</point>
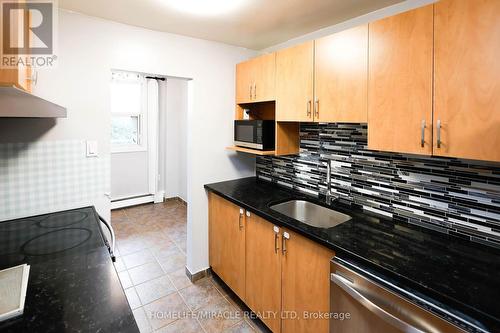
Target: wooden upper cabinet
<point>227,242</point>
<point>263,270</point>
<point>244,82</point>
<point>305,283</point>
<point>19,76</point>
<point>341,75</point>
<point>255,79</point>
<point>400,82</point>
<point>466,74</point>
<point>294,83</point>
<point>264,78</point>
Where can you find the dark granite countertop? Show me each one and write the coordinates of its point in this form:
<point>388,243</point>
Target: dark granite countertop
<point>459,275</point>
<point>73,285</point>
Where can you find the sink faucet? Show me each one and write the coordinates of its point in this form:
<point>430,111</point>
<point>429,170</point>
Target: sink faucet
<point>329,195</point>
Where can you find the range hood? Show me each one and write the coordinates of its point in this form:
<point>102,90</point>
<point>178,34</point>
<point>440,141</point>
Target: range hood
<point>17,103</point>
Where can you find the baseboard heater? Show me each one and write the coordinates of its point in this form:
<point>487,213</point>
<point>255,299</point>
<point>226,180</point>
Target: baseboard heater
<point>132,201</point>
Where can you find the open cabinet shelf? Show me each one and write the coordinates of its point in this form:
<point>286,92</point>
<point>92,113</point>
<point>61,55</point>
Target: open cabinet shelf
<point>287,133</point>
<point>252,151</point>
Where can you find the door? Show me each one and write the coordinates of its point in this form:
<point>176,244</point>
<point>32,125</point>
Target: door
<point>263,270</point>
<point>400,82</point>
<point>341,76</point>
<point>294,83</point>
<point>305,283</point>
<point>244,82</point>
<point>264,69</point>
<point>227,242</point>
<point>467,85</point>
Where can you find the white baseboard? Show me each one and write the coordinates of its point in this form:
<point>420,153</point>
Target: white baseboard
<point>159,196</point>
<point>132,202</point>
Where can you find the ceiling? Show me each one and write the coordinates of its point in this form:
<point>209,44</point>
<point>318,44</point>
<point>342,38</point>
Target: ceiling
<point>253,24</point>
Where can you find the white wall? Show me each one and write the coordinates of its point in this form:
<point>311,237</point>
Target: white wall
<point>89,48</point>
<point>129,174</point>
<point>173,137</point>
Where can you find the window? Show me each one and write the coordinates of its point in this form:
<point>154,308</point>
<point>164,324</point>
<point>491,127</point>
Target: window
<point>128,106</point>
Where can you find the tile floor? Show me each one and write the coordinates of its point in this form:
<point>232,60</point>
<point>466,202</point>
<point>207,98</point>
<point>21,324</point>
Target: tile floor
<point>151,259</point>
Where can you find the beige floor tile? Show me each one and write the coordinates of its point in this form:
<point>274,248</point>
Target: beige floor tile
<point>125,279</point>
<point>257,325</point>
<point>133,299</point>
<point>180,279</point>
<point>130,245</point>
<point>173,262</point>
<point>142,321</point>
<point>242,327</point>
<point>119,265</point>
<point>154,289</point>
<point>219,316</point>
<point>165,250</point>
<point>187,325</point>
<point>166,310</point>
<point>145,273</point>
<point>138,258</point>
<point>200,294</point>
<point>182,245</point>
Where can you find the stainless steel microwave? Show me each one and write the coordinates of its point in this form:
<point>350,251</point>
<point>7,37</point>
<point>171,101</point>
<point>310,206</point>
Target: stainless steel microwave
<point>255,134</point>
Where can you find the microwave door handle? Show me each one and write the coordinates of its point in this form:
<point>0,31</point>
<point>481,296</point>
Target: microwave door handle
<point>346,286</point>
<point>113,239</point>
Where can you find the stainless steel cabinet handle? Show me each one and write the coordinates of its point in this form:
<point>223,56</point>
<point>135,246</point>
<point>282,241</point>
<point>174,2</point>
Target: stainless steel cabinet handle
<point>347,286</point>
<point>240,224</point>
<point>309,108</point>
<point>250,91</point>
<point>285,236</point>
<point>316,108</point>
<point>255,91</point>
<point>439,134</point>
<point>276,236</point>
<point>422,138</point>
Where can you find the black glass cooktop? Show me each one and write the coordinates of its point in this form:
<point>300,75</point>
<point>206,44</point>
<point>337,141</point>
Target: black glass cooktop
<point>45,237</point>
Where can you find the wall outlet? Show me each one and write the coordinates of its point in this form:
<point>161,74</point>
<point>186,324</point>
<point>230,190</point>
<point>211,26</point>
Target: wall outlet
<point>92,149</point>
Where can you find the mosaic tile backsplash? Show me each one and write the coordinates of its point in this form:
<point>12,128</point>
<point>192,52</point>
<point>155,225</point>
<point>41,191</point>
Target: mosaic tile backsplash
<point>459,197</point>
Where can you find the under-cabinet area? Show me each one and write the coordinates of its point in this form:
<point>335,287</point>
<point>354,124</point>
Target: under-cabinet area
<point>270,268</point>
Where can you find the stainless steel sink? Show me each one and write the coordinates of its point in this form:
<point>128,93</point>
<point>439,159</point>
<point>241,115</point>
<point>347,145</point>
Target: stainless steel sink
<point>311,214</point>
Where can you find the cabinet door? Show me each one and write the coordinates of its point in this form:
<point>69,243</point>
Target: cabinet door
<point>341,76</point>
<point>244,82</point>
<point>19,76</point>
<point>400,82</point>
<point>467,85</point>
<point>305,273</point>
<point>227,242</point>
<point>265,78</point>
<point>263,271</point>
<point>294,83</point>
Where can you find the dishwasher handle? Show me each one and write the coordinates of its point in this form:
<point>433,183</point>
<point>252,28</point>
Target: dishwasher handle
<point>113,239</point>
<point>346,286</point>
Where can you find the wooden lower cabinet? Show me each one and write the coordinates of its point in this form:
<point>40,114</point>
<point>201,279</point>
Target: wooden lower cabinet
<point>305,271</point>
<point>227,242</point>
<point>263,271</point>
<point>278,273</point>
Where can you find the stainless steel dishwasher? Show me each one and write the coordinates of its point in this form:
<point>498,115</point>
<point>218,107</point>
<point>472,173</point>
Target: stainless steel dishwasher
<point>361,301</point>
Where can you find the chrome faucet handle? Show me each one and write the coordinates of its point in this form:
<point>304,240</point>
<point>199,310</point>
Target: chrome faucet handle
<point>329,194</point>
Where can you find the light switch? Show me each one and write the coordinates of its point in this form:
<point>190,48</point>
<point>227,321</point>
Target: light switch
<point>92,149</point>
